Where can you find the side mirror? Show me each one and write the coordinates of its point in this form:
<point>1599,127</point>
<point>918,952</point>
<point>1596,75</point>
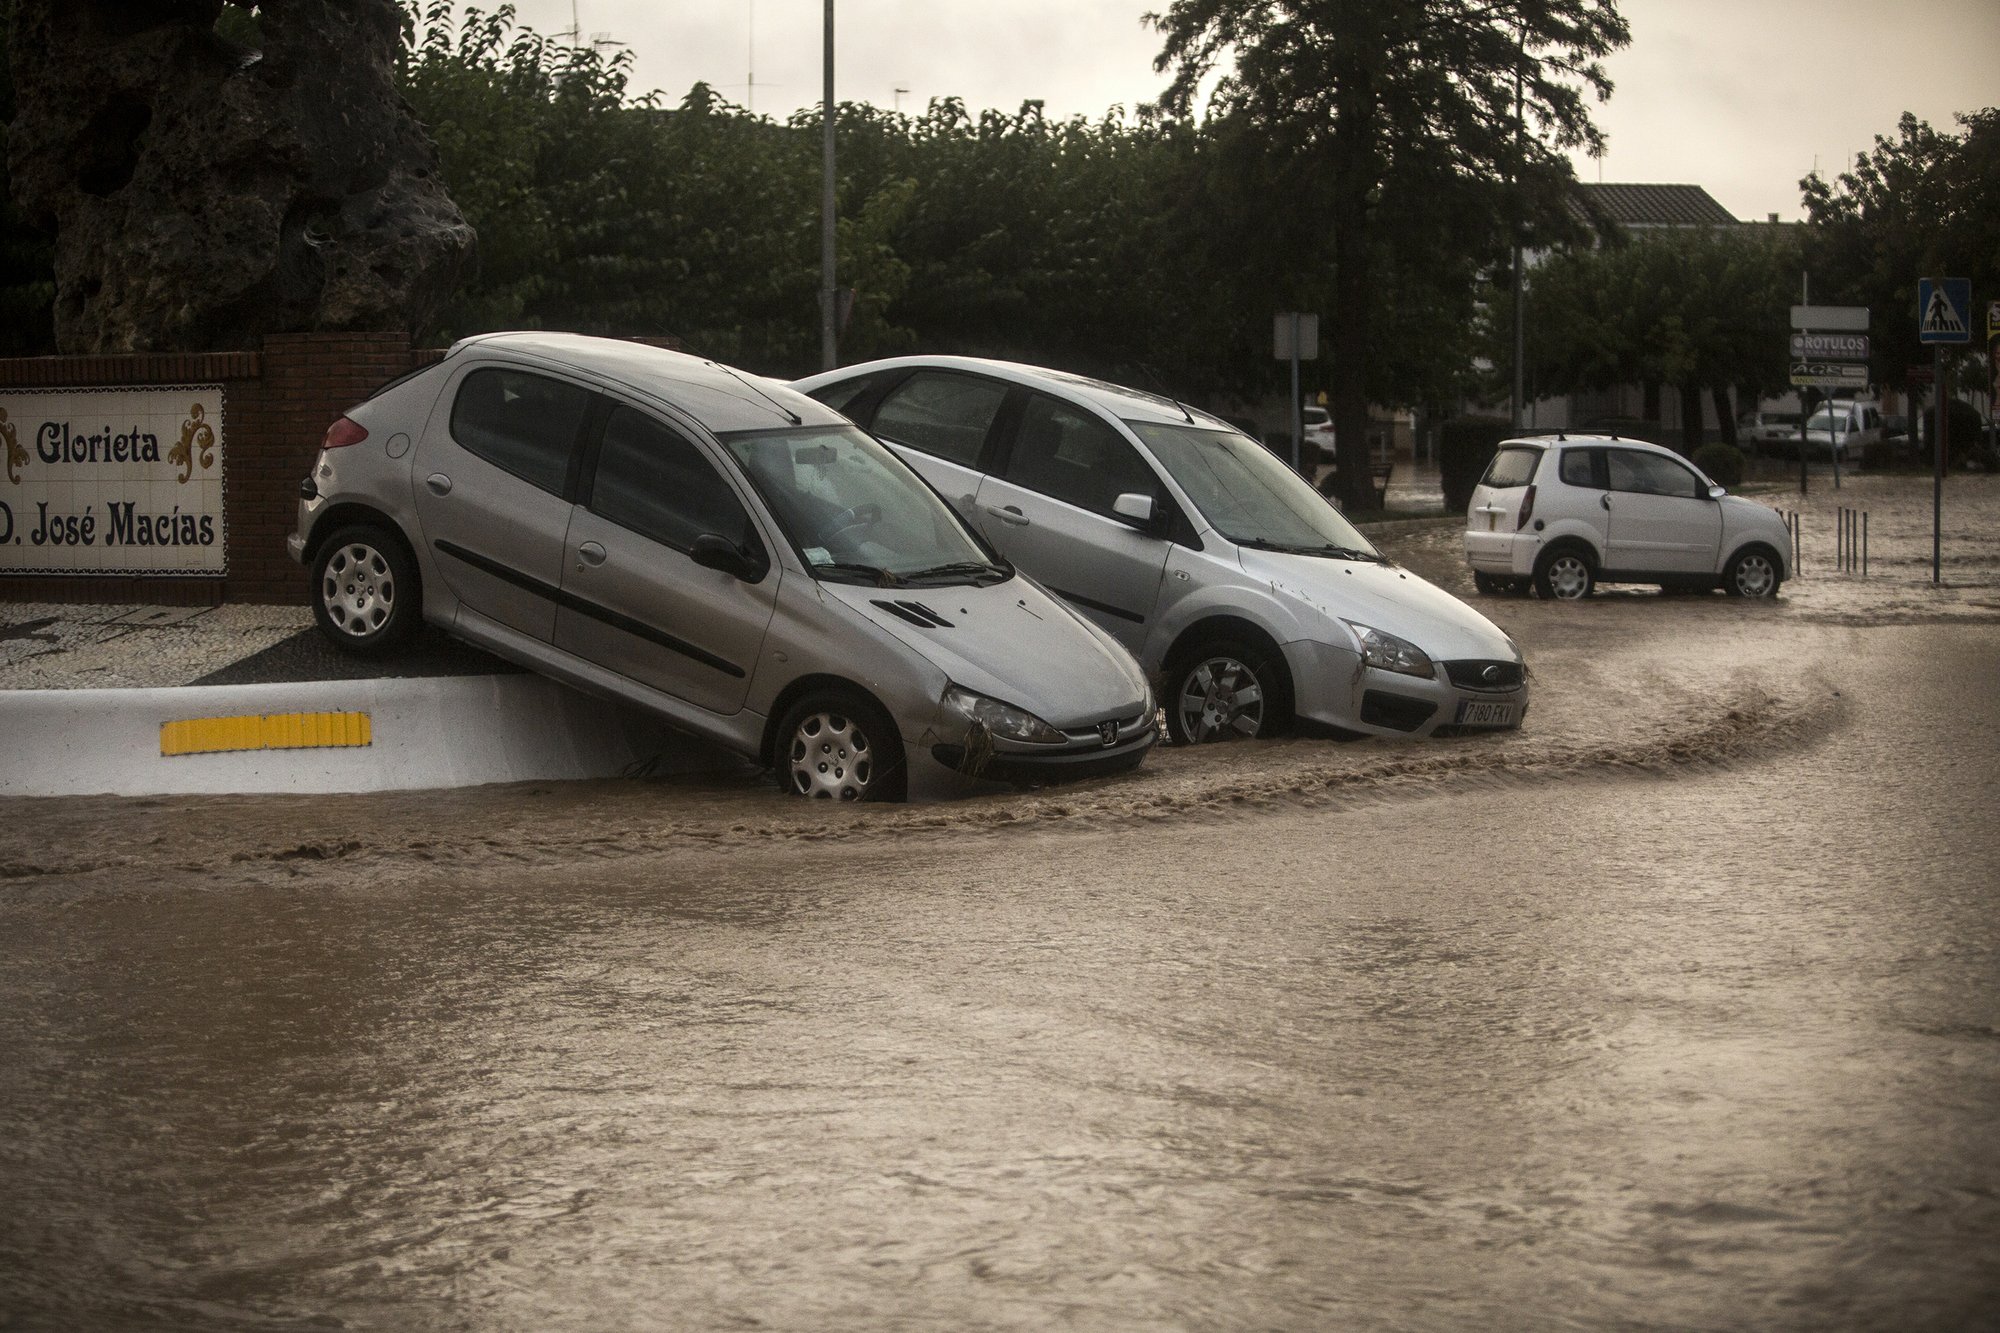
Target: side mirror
<point>1134,505</point>
<point>711,551</point>
<point>1717,492</point>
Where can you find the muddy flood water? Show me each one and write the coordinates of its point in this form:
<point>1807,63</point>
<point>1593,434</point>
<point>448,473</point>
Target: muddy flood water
<point>1677,1009</point>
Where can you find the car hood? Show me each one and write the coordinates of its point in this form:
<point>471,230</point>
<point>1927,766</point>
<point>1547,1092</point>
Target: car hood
<point>1010,641</point>
<point>1385,597</point>
<point>1741,512</point>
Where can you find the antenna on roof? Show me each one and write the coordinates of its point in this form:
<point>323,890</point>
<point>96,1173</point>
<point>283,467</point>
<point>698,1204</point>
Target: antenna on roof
<point>1161,386</point>
<point>731,371</point>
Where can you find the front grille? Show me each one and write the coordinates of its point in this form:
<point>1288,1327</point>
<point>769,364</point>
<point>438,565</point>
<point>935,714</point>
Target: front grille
<point>1398,712</point>
<point>1475,674</point>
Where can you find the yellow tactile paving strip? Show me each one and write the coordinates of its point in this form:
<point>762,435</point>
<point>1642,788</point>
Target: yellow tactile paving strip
<point>266,731</point>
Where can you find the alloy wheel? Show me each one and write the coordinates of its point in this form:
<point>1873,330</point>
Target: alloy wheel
<point>830,758</point>
<point>1220,698</point>
<point>358,590</point>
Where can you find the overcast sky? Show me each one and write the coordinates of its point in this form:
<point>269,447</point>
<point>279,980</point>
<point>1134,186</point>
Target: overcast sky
<point>1741,97</point>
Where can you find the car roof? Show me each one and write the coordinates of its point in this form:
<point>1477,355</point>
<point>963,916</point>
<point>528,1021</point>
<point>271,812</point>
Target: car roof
<point>720,398</point>
<point>1581,437</point>
<point>1127,404</point>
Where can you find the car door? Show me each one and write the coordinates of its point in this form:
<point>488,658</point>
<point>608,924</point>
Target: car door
<point>633,599</point>
<point>941,423</point>
<point>1661,519</point>
<point>492,480</point>
<point>1047,506</point>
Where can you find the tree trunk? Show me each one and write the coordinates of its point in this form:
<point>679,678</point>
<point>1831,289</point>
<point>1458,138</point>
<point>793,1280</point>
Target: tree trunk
<point>1725,413</point>
<point>1691,431</point>
<point>1651,411</point>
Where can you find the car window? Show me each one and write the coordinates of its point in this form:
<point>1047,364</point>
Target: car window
<point>1511,467</point>
<point>522,422</point>
<point>842,393</point>
<point>1245,493</point>
<point>1069,455</point>
<point>941,413</point>
<point>654,481</point>
<point>1578,468</point>
<point>856,511</point>
<point>1650,474</point>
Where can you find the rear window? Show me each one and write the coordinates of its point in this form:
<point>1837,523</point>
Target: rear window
<point>1511,467</point>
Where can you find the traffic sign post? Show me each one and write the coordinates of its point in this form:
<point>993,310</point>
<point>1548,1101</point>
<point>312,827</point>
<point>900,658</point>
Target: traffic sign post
<point>1295,337</point>
<point>1944,315</point>
<point>1829,351</point>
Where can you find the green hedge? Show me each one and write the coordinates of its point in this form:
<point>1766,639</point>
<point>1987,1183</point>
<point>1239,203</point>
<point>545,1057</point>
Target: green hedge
<point>1722,462</point>
<point>1465,446</point>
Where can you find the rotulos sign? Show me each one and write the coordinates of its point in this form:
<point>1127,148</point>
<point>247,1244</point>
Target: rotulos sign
<point>112,481</point>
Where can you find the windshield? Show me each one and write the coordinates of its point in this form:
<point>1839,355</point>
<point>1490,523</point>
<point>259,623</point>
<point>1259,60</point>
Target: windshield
<point>857,513</point>
<point>1825,417</point>
<point>1247,494</point>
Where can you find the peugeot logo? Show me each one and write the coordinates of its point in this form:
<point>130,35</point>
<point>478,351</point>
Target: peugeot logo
<point>1108,732</point>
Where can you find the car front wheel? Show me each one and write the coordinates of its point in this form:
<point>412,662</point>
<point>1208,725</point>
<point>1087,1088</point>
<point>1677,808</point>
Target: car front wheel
<point>836,746</point>
<point>1752,573</point>
<point>1565,574</point>
<point>1225,691</point>
<point>365,596</point>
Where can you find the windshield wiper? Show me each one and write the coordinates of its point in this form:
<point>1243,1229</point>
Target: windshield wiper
<point>1323,548</point>
<point>841,571</point>
<point>975,569</point>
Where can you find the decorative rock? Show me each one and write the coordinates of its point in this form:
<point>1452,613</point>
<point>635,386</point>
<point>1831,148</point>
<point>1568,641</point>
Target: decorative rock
<point>204,193</point>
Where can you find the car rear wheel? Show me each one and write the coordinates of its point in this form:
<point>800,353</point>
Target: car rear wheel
<point>1566,574</point>
<point>837,746</point>
<point>365,596</point>
<point>1753,573</point>
<point>1225,690</point>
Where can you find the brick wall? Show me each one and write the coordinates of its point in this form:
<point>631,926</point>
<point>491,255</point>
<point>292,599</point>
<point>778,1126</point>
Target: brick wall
<point>279,403</point>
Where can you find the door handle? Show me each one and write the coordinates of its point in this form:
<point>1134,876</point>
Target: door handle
<point>590,553</point>
<point>1010,514</point>
<point>1605,499</point>
<point>439,483</point>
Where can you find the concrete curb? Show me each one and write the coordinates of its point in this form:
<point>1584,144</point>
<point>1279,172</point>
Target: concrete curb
<point>438,731</point>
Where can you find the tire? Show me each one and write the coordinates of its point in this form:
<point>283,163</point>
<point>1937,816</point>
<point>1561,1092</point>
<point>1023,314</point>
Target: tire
<point>1227,690</point>
<point>834,745</point>
<point>1488,584</point>
<point>1566,574</point>
<point>1752,572</point>
<point>366,597</point>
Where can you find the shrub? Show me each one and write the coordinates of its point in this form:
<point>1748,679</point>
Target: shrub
<point>1722,462</point>
<point>1465,446</point>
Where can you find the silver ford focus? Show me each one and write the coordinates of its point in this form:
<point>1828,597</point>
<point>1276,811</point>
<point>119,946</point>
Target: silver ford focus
<point>718,549</point>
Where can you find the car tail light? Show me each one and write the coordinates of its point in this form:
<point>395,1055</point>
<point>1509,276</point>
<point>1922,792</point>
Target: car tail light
<point>1527,510</point>
<point>344,432</point>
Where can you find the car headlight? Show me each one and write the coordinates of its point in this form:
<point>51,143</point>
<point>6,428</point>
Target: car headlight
<point>1382,649</point>
<point>1016,724</point>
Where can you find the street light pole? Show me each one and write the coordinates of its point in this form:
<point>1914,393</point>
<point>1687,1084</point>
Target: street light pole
<point>829,355</point>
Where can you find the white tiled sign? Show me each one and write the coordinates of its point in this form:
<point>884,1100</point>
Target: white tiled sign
<point>111,481</point>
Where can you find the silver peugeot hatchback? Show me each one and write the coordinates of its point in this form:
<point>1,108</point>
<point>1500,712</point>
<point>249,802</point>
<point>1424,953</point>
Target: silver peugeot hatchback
<point>717,549</point>
<point>1218,566</point>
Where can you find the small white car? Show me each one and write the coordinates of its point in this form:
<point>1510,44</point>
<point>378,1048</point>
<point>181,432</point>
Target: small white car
<point>1569,512</point>
<point>1843,427</point>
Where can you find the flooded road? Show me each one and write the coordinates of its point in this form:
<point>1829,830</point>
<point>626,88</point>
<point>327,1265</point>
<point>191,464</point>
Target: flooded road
<point>1678,1009</point>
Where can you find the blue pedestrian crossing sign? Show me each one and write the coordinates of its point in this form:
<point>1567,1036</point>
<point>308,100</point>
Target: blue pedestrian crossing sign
<point>1944,310</point>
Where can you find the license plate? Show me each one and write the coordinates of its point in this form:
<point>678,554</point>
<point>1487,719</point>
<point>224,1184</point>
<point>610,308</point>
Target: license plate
<point>1476,714</point>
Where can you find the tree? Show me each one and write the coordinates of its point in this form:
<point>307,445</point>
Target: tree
<point>1405,114</point>
<point>1924,204</point>
<point>1700,309</point>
